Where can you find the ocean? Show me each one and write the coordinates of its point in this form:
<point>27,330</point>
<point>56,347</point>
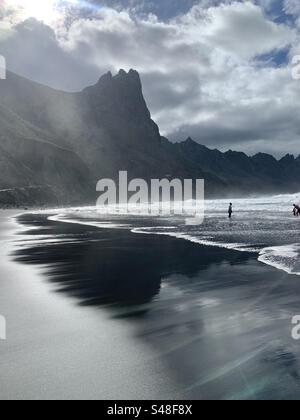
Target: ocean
<point>265,226</point>
<point>142,307</point>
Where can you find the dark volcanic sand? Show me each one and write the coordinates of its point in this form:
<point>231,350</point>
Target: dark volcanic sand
<point>203,323</point>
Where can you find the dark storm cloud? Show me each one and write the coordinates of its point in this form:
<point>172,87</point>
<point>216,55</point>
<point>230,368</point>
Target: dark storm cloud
<point>165,91</point>
<point>252,129</point>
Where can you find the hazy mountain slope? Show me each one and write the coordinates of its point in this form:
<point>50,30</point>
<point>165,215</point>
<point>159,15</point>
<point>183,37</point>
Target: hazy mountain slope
<point>55,146</point>
<point>108,125</point>
<point>30,161</point>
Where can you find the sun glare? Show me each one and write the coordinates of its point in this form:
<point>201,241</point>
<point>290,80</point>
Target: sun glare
<point>44,10</point>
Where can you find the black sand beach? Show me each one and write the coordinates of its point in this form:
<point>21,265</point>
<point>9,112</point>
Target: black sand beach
<point>105,313</point>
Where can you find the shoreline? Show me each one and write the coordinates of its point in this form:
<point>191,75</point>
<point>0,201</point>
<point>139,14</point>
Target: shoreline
<point>265,255</point>
<point>202,319</point>
<point>56,349</point>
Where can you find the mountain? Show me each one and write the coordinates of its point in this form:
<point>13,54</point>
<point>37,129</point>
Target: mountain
<point>243,175</point>
<point>35,170</point>
<point>55,146</point>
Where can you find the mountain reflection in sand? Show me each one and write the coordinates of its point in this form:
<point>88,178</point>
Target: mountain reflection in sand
<point>218,320</point>
<point>110,266</point>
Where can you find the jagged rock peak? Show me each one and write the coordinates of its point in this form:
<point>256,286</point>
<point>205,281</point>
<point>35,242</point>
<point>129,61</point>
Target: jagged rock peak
<point>288,158</point>
<point>192,143</point>
<point>106,77</point>
<point>131,77</point>
<point>189,140</point>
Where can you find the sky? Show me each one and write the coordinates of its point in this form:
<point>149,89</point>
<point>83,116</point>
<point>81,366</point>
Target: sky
<point>219,71</point>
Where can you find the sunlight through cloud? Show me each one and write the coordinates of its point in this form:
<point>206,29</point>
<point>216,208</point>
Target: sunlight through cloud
<point>47,11</point>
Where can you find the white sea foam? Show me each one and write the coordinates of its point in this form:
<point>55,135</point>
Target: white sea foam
<point>286,258</point>
<point>197,240</point>
<point>101,224</point>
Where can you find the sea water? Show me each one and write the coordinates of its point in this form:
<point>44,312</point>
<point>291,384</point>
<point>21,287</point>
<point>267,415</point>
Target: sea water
<point>264,225</point>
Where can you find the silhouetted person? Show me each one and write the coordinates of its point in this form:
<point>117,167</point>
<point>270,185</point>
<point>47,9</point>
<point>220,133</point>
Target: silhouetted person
<point>230,210</point>
<point>296,210</point>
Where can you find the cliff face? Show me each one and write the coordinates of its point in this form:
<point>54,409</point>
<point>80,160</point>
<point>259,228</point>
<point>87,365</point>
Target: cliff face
<point>108,125</point>
<point>68,141</point>
<point>55,146</point>
<point>122,134</point>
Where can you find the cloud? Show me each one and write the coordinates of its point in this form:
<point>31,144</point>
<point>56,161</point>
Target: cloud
<point>32,50</point>
<point>239,28</point>
<point>203,70</point>
<point>165,9</point>
<point>292,7</point>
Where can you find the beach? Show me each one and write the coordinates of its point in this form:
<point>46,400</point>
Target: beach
<point>56,349</point>
<point>106,313</point>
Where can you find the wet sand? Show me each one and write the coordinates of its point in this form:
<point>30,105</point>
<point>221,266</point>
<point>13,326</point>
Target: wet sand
<point>56,349</point>
<point>99,313</point>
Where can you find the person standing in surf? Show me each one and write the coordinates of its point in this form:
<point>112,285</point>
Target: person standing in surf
<point>230,210</point>
<point>296,210</point>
